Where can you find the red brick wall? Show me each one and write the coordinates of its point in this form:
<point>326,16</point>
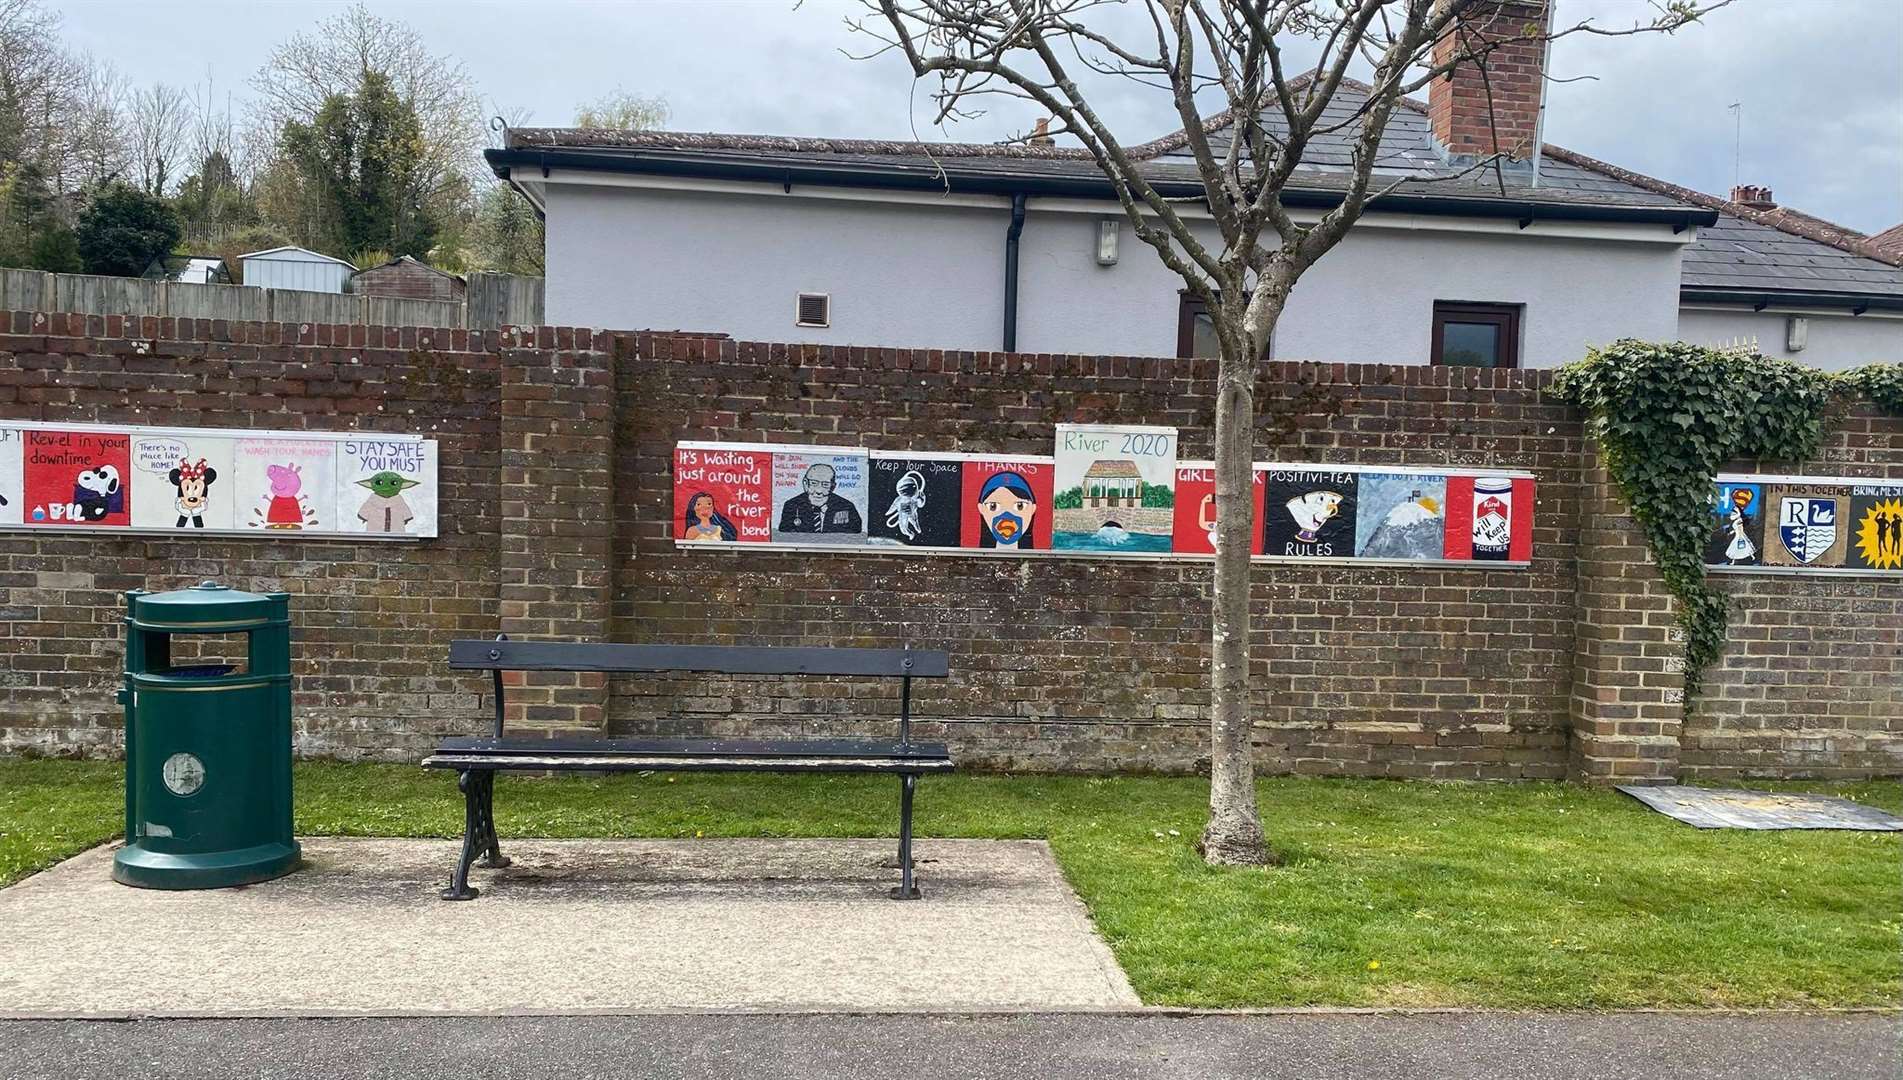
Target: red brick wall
<point>556,454</point>
<point>1104,664</point>
<point>1480,113</point>
<point>373,621</point>
<point>1812,682</point>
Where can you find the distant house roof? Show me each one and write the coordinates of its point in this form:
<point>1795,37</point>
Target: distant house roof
<point>1741,254</point>
<point>189,269</point>
<point>294,253</point>
<point>413,262</point>
<point>1779,255</point>
<point>1113,469</point>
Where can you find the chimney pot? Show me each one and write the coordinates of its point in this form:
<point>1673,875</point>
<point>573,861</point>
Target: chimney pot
<point>1753,196</point>
<point>1040,133</point>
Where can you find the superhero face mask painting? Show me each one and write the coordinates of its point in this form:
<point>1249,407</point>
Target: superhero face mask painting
<point>1008,508</point>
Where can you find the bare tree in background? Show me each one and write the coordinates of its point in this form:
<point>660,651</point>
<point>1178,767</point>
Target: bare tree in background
<point>1232,51</point>
<point>39,84</point>
<point>310,68</point>
<point>622,111</point>
<point>160,119</point>
<point>96,137</point>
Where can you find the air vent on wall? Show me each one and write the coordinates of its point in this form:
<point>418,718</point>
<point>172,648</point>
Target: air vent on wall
<point>814,310</point>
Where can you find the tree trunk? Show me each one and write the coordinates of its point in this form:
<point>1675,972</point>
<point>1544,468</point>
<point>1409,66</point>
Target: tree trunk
<point>1234,834</point>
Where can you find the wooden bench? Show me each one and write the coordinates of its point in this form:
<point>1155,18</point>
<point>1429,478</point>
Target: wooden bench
<point>477,760</point>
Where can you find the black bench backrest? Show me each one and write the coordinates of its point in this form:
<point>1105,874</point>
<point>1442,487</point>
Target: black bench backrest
<point>477,655</point>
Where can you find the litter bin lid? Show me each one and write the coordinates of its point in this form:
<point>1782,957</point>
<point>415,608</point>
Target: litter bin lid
<point>205,608</point>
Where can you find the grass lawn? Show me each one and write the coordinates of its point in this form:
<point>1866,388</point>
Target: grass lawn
<point>1401,894</point>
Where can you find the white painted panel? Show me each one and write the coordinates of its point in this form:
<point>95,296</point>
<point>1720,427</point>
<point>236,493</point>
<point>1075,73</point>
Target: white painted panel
<point>914,276</point>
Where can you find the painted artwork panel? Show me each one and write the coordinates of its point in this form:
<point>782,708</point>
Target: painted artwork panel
<point>820,496</point>
<point>1309,513</point>
<point>1876,527</point>
<point>1489,518</point>
<point>12,486</point>
<point>722,495</point>
<point>1116,488</point>
<point>1401,516</point>
<point>286,485</point>
<point>1737,531</point>
<point>1006,504</point>
<point>1806,525</point>
<point>76,478</point>
<point>387,487</point>
<point>182,481</point>
<point>1195,512</point>
<point>916,502</point>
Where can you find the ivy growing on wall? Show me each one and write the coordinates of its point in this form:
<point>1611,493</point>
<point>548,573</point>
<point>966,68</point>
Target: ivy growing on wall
<point>1881,383</point>
<point>1667,417</point>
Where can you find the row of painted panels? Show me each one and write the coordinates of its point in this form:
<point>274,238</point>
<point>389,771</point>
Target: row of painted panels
<point>1805,523</point>
<point>798,495</point>
<point>189,480</point>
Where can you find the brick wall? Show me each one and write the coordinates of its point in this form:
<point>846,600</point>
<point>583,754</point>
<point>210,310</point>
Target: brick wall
<point>373,621</point>
<point>1491,104</point>
<point>557,448</point>
<point>1100,664</point>
<point>1812,681</point>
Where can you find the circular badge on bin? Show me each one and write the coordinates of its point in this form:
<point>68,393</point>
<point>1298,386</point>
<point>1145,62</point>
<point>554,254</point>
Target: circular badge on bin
<point>184,774</point>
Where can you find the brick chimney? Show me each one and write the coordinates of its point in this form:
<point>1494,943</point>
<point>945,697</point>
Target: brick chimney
<point>1457,104</point>
<point>1041,133</point>
<point>1753,196</point>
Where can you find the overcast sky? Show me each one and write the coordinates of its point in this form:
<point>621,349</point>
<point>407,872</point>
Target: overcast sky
<point>1820,81</point>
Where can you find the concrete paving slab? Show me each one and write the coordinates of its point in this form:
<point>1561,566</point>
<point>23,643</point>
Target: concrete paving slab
<point>573,926</point>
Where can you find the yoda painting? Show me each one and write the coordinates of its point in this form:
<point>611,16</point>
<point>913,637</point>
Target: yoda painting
<point>385,511</point>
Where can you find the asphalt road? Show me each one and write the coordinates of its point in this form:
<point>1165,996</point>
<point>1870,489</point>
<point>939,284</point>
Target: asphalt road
<point>1492,1046</point>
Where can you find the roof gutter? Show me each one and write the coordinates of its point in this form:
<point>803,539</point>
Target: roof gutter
<point>948,177</point>
<point>1760,299</point>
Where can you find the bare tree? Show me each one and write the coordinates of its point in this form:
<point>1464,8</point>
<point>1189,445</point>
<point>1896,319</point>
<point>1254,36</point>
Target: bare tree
<point>310,68</point>
<point>1232,51</point>
<point>39,83</point>
<point>160,119</point>
<point>95,128</point>
<point>622,111</point>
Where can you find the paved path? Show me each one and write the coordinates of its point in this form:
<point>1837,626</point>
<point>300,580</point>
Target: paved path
<point>1468,1046</point>
<point>573,926</point>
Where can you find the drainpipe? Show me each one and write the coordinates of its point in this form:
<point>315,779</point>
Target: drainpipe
<point>1011,272</point>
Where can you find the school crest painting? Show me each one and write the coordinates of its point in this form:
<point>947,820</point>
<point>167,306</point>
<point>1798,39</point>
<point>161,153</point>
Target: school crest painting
<point>1808,525</point>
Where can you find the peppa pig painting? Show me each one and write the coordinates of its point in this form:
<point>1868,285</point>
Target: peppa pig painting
<point>287,508</point>
<point>287,483</point>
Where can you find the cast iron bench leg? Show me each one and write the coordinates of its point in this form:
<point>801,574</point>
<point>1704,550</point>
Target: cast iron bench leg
<point>493,857</point>
<point>908,889</point>
<point>471,783</point>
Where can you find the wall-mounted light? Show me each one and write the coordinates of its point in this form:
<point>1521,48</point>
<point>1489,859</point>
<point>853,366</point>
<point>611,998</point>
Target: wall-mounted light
<point>1108,230</point>
<point>1796,333</point>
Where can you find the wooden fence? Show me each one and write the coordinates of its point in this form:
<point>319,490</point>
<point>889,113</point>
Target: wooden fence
<point>491,300</point>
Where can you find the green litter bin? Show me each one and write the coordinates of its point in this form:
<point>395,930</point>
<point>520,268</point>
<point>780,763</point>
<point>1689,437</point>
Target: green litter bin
<point>208,745</point>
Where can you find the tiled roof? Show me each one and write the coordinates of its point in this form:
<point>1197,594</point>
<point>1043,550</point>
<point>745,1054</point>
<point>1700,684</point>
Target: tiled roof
<point>1766,251</point>
<point>1889,242</point>
<point>1759,251</point>
<point>1407,154</point>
